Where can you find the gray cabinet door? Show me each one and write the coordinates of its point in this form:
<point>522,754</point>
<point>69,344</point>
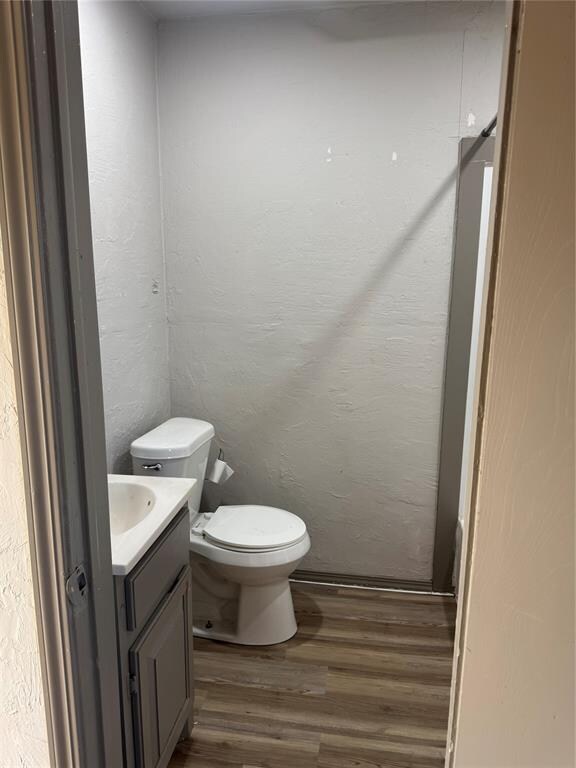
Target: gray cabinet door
<point>161,670</point>
<point>151,578</point>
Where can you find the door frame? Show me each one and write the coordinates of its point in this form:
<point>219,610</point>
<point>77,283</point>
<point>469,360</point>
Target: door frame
<point>47,244</point>
<point>475,155</point>
<point>45,223</point>
<point>531,238</point>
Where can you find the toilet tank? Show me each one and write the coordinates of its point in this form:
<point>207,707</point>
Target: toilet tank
<point>177,448</point>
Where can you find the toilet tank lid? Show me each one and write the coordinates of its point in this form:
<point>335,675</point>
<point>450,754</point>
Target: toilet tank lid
<point>174,439</point>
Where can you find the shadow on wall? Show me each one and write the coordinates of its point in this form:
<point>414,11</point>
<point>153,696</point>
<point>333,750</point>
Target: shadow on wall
<point>321,350</point>
<point>350,24</point>
<point>366,22</point>
<point>123,463</point>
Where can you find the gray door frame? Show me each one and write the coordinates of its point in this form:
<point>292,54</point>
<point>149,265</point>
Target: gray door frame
<point>474,155</point>
<point>47,243</point>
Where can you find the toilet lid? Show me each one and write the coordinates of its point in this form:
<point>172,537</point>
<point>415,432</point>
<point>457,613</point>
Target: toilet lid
<point>254,528</point>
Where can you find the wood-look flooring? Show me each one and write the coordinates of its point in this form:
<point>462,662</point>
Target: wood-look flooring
<point>363,684</point>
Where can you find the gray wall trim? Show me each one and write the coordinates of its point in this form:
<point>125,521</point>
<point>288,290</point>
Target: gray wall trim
<point>376,582</point>
<point>52,303</point>
<point>474,155</point>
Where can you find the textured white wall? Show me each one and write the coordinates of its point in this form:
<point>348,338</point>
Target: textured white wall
<point>119,73</point>
<point>23,737</point>
<point>308,163</point>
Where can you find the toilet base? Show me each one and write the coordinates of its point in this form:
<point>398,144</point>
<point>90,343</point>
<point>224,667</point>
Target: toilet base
<point>243,597</point>
<point>265,617</point>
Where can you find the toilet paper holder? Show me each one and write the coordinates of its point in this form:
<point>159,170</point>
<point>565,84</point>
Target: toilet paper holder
<point>221,471</point>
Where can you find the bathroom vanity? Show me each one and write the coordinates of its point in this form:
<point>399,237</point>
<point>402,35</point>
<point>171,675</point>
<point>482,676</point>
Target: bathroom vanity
<point>154,631</point>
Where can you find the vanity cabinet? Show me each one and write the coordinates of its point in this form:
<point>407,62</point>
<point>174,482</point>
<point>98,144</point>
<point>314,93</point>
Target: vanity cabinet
<point>154,620</point>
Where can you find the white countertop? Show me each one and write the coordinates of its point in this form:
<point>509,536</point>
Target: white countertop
<point>140,509</point>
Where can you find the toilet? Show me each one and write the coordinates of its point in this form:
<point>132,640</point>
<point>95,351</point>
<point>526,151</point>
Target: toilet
<point>241,556</point>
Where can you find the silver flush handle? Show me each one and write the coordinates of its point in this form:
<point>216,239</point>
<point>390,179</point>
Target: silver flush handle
<point>155,467</point>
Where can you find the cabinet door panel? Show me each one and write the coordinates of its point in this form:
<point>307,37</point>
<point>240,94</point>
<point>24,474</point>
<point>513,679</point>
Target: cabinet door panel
<point>161,666</point>
<point>157,570</point>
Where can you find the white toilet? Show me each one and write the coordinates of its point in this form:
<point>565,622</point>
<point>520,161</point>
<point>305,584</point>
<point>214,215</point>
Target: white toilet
<point>241,556</point>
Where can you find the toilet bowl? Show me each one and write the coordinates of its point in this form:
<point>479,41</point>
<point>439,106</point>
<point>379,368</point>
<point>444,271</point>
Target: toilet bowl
<point>241,560</point>
<point>241,556</point>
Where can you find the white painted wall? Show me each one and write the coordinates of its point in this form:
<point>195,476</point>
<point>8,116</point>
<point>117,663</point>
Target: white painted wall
<point>309,181</point>
<point>23,736</point>
<point>118,42</point>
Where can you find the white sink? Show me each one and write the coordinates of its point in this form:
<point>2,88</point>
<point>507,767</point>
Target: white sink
<point>140,509</point>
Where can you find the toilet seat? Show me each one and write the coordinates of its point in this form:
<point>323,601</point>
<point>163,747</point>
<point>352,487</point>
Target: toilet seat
<point>252,528</point>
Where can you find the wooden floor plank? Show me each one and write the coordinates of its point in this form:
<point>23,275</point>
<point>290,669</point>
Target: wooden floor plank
<point>347,752</point>
<point>238,748</point>
<point>364,683</point>
<point>305,679</point>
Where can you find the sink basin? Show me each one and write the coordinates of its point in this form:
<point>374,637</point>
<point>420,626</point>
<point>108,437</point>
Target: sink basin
<point>129,503</point>
<point>140,509</point>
